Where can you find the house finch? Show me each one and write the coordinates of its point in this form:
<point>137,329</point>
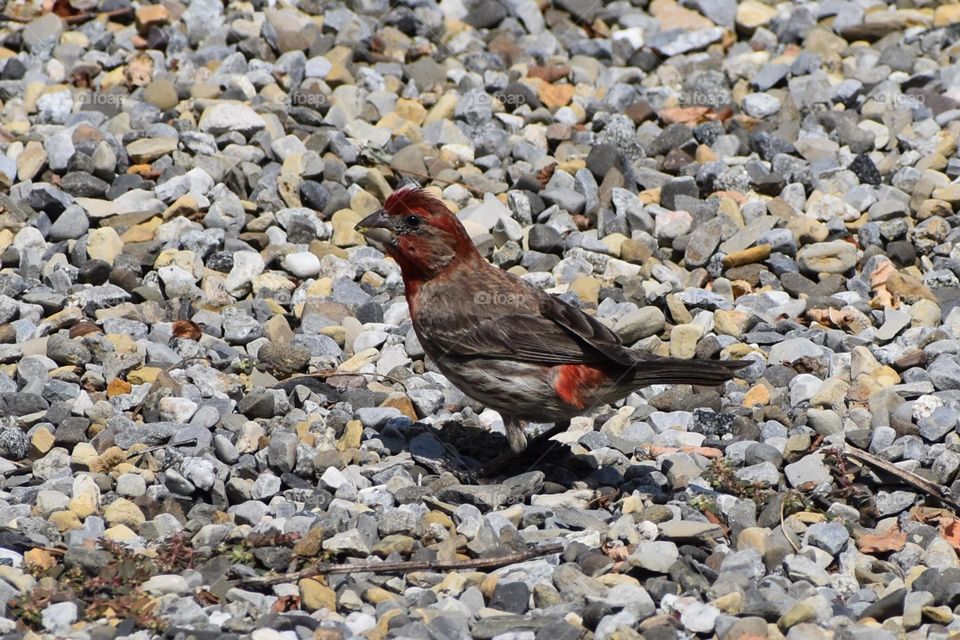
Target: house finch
<point>502,341</point>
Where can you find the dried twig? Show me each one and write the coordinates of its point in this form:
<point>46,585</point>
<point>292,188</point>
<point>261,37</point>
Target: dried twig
<point>416,174</point>
<point>933,489</point>
<point>132,454</point>
<point>783,528</point>
<point>327,568</point>
<point>79,17</point>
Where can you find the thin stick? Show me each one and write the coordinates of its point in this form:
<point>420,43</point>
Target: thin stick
<point>131,454</point>
<point>939,492</point>
<point>323,375</point>
<point>327,568</point>
<point>783,528</point>
<point>416,174</point>
<point>80,17</point>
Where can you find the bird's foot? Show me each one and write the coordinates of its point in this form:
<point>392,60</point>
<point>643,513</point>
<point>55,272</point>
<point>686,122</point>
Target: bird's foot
<point>536,448</point>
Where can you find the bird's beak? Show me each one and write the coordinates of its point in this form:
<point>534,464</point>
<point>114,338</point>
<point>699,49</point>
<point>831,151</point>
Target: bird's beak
<point>378,229</point>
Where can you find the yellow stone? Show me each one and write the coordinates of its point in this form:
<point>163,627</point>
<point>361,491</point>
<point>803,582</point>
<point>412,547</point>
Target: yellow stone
<point>31,160</point>
<point>451,585</point>
<point>186,260</point>
<point>320,288</point>
<point>364,203</point>
<point>120,533</point>
<point>939,615</point>
<point>443,109</point>
<point>631,504</point>
<point>113,78</point>
<point>118,387</point>
<point>83,505</point>
<point>339,57</point>
<point>344,234</point>
<point>151,14</point>
<point>18,127</point>
<point>832,393</point>
<point>144,375</point>
<point>704,154</point>
<point>394,543</point>
<point>121,343</point>
<point>372,279</point>
<point>143,232</point>
<point>758,395</point>
<point>6,239</point>
<point>402,402</point>
<point>587,288</point>
<point>41,442</point>
<point>554,96</point>
<point>809,517</point>
<point>185,205</point>
<point>488,585</point>
<point>946,141</point>
<point>104,244</point>
<point>730,323</point>
<point>946,14</point>
<point>358,360</point>
<point>122,511</point>
<point>886,376</point>
<point>950,193</point>
<point>683,340</point>
<point>83,455</point>
<point>315,595</point>
<point>351,437</point>
<point>65,521</point>
<point>39,558</point>
<point>752,14</point>
<point>730,603</point>
<point>614,242</point>
<point>437,517</point>
<point>400,127</point>
<point>410,110</point>
<point>807,230</point>
<point>671,15</point>
<point>377,595</point>
<point>753,538</point>
<point>32,93</point>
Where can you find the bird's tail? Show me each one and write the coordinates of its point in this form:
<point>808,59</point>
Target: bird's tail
<point>705,373</point>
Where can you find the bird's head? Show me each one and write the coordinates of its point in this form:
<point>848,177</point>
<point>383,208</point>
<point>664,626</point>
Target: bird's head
<point>419,232</point>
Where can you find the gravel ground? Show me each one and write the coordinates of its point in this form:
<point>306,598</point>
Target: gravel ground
<point>179,184</point>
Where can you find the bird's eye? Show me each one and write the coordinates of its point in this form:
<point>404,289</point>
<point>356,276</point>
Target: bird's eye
<point>412,221</point>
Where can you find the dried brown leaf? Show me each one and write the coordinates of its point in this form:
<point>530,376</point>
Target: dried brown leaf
<point>893,540</point>
<point>187,330</point>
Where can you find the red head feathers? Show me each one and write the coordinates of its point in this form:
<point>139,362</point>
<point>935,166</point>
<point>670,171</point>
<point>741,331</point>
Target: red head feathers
<point>411,199</point>
<point>420,233</point>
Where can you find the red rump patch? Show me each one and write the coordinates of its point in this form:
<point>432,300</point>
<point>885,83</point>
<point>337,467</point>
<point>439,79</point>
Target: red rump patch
<point>574,382</point>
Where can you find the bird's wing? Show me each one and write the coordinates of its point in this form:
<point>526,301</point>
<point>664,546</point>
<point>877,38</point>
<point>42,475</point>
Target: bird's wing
<point>554,333</point>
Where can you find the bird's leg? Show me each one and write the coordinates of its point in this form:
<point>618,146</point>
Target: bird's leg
<point>539,443</point>
<point>516,436</point>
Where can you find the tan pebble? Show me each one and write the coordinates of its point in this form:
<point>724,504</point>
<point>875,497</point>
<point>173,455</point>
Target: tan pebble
<point>315,595</point>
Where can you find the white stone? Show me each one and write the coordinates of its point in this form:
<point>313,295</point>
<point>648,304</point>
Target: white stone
<point>247,265</point>
<point>177,409</point>
<point>302,264</point>
<point>230,116</point>
<point>760,105</point>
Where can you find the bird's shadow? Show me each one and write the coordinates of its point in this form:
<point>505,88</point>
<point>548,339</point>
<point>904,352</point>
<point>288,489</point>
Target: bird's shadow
<point>465,451</point>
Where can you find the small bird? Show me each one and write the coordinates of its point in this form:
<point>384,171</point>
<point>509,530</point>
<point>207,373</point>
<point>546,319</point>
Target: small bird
<point>502,341</point>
